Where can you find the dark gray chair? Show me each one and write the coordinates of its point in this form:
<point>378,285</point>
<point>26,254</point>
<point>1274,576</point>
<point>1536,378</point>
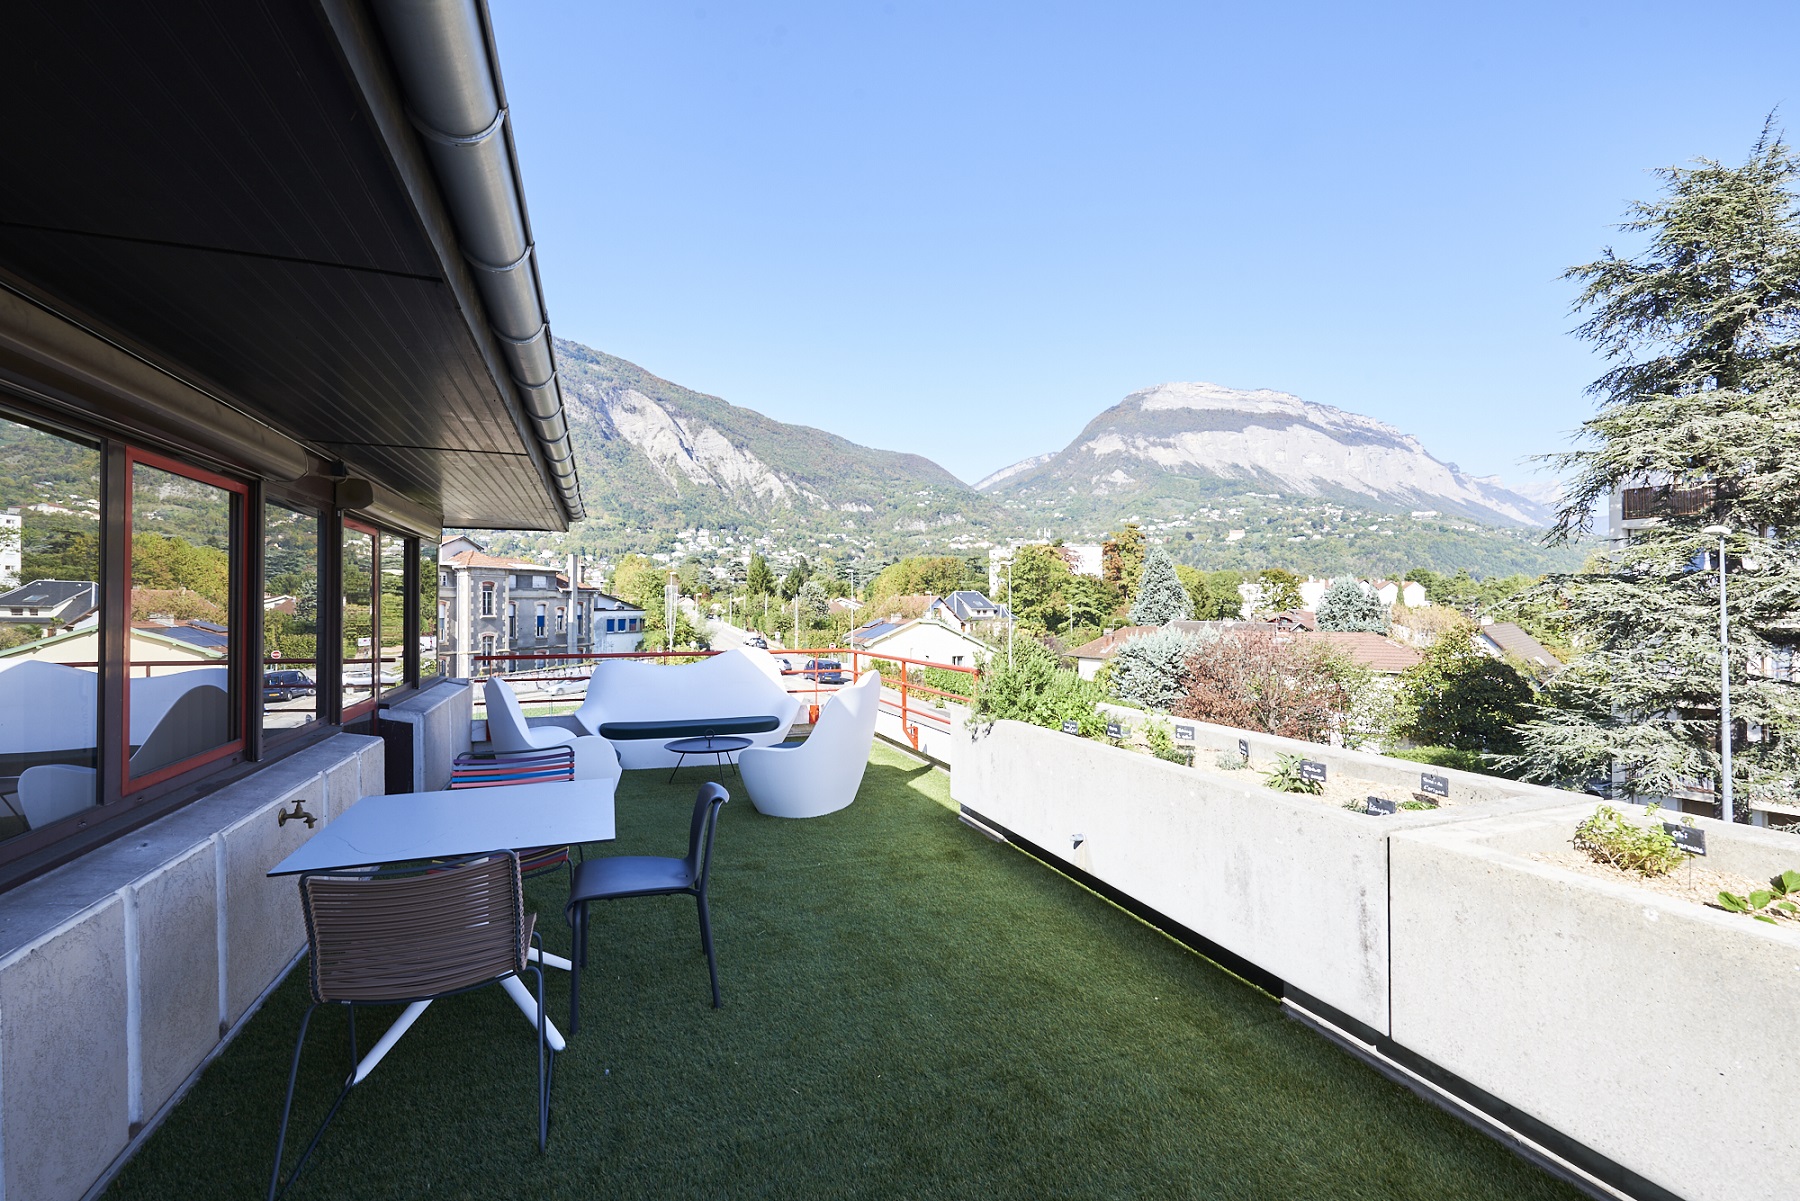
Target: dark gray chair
<point>618,877</point>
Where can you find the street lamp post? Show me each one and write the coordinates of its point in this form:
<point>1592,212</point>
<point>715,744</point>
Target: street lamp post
<point>1011,612</point>
<point>1727,806</point>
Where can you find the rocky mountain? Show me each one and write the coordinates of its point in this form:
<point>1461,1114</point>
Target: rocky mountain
<point>1222,478</point>
<point>1189,442</point>
<point>656,458</point>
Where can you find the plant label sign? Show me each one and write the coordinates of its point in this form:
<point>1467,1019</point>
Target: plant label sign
<point>1380,807</point>
<point>1432,785</point>
<point>1688,838</point>
<point>1183,732</point>
<point>1244,748</point>
<point>1114,730</point>
<point>1071,727</point>
<point>1312,771</point>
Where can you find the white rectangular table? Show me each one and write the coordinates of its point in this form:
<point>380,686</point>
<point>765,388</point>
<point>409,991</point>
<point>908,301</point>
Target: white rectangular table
<point>443,825</point>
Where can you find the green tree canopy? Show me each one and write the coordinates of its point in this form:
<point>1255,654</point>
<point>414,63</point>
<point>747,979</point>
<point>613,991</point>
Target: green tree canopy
<point>1122,558</point>
<point>1458,697</point>
<point>1703,401</point>
<point>1160,595</point>
<point>758,579</point>
<point>1277,591</point>
<point>1345,606</point>
<point>790,586</point>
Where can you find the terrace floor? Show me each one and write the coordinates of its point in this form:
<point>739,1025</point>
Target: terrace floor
<point>911,1011</point>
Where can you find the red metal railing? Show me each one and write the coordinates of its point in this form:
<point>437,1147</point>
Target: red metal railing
<point>815,683</point>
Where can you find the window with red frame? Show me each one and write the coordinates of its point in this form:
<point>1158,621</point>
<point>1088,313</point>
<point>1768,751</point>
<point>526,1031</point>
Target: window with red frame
<point>184,703</point>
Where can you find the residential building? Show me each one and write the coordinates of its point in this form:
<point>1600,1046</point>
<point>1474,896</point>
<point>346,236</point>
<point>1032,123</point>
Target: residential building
<point>1506,638</point>
<point>969,613</point>
<point>927,637</point>
<point>11,547</point>
<point>494,605</point>
<point>48,602</point>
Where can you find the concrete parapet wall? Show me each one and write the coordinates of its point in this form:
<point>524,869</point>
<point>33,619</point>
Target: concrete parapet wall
<point>1296,886</point>
<point>122,971</point>
<point>441,717</point>
<point>1655,1031</point>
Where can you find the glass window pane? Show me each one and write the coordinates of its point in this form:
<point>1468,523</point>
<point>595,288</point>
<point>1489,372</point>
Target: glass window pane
<point>431,610</point>
<point>290,617</point>
<point>178,658</point>
<point>358,649</point>
<point>392,602</point>
<point>49,627</point>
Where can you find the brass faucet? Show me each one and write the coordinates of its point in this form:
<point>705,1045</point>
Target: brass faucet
<point>299,813</point>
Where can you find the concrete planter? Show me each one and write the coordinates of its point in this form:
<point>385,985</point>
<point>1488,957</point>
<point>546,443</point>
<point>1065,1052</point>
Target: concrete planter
<point>1655,1031</point>
<point>1291,884</point>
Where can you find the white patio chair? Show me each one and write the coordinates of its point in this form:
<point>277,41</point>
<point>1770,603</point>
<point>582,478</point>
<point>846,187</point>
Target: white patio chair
<point>822,774</point>
<point>508,729</point>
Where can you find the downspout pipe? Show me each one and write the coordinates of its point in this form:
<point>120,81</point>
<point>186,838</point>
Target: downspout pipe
<point>443,53</point>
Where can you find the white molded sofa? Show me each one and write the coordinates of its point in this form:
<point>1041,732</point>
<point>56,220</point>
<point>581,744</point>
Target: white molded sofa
<point>739,683</point>
<point>822,774</point>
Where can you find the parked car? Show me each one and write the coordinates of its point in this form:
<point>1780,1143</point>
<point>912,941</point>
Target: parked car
<point>757,641</point>
<point>825,671</point>
<point>286,685</point>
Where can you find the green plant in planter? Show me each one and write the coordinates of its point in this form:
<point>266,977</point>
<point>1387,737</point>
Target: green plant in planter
<point>1417,805</point>
<point>1230,762</point>
<point>1768,904</point>
<point>1162,743</point>
<point>1285,776</point>
<point>1609,837</point>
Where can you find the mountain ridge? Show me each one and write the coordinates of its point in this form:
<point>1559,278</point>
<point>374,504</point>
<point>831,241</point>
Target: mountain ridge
<point>1217,437</point>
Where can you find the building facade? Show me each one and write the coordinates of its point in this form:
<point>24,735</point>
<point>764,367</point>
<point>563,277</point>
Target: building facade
<point>491,605</point>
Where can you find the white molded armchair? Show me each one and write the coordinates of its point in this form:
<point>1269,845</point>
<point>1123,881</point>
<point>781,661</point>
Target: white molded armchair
<point>822,774</point>
<point>508,730</point>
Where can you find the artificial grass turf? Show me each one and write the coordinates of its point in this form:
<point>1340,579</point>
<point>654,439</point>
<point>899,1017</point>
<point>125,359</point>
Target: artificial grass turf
<point>910,1011</point>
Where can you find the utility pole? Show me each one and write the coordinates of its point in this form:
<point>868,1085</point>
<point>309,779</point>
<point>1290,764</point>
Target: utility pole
<point>1727,804</point>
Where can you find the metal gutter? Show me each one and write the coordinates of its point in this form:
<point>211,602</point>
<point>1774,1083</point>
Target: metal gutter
<point>443,53</point>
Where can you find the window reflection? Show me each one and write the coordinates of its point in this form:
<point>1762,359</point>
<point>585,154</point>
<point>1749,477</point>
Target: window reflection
<point>358,617</point>
<point>290,604</point>
<point>49,627</point>
<point>430,611</point>
<point>391,600</point>
<point>179,652</point>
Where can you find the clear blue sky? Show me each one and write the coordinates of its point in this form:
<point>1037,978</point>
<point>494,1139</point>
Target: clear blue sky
<point>964,229</point>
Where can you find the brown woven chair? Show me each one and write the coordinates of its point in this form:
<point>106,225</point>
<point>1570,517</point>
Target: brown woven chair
<point>410,936</point>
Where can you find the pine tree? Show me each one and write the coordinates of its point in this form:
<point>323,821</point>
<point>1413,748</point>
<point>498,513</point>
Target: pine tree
<point>1703,404</point>
<point>758,579</point>
<point>1160,596</point>
<point>1345,606</point>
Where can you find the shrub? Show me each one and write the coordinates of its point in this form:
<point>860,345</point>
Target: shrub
<point>1148,670</point>
<point>1345,606</point>
<point>1444,756</point>
<point>1034,689</point>
<point>1256,679</point>
<point>1227,761</point>
<point>1285,776</point>
<point>1611,838</point>
<point>1162,743</point>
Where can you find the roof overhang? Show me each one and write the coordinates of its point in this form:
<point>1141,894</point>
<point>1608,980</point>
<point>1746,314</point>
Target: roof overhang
<point>234,195</point>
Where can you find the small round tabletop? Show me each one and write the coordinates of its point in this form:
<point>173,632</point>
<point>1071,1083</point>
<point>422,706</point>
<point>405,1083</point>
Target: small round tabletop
<point>711,744</point>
